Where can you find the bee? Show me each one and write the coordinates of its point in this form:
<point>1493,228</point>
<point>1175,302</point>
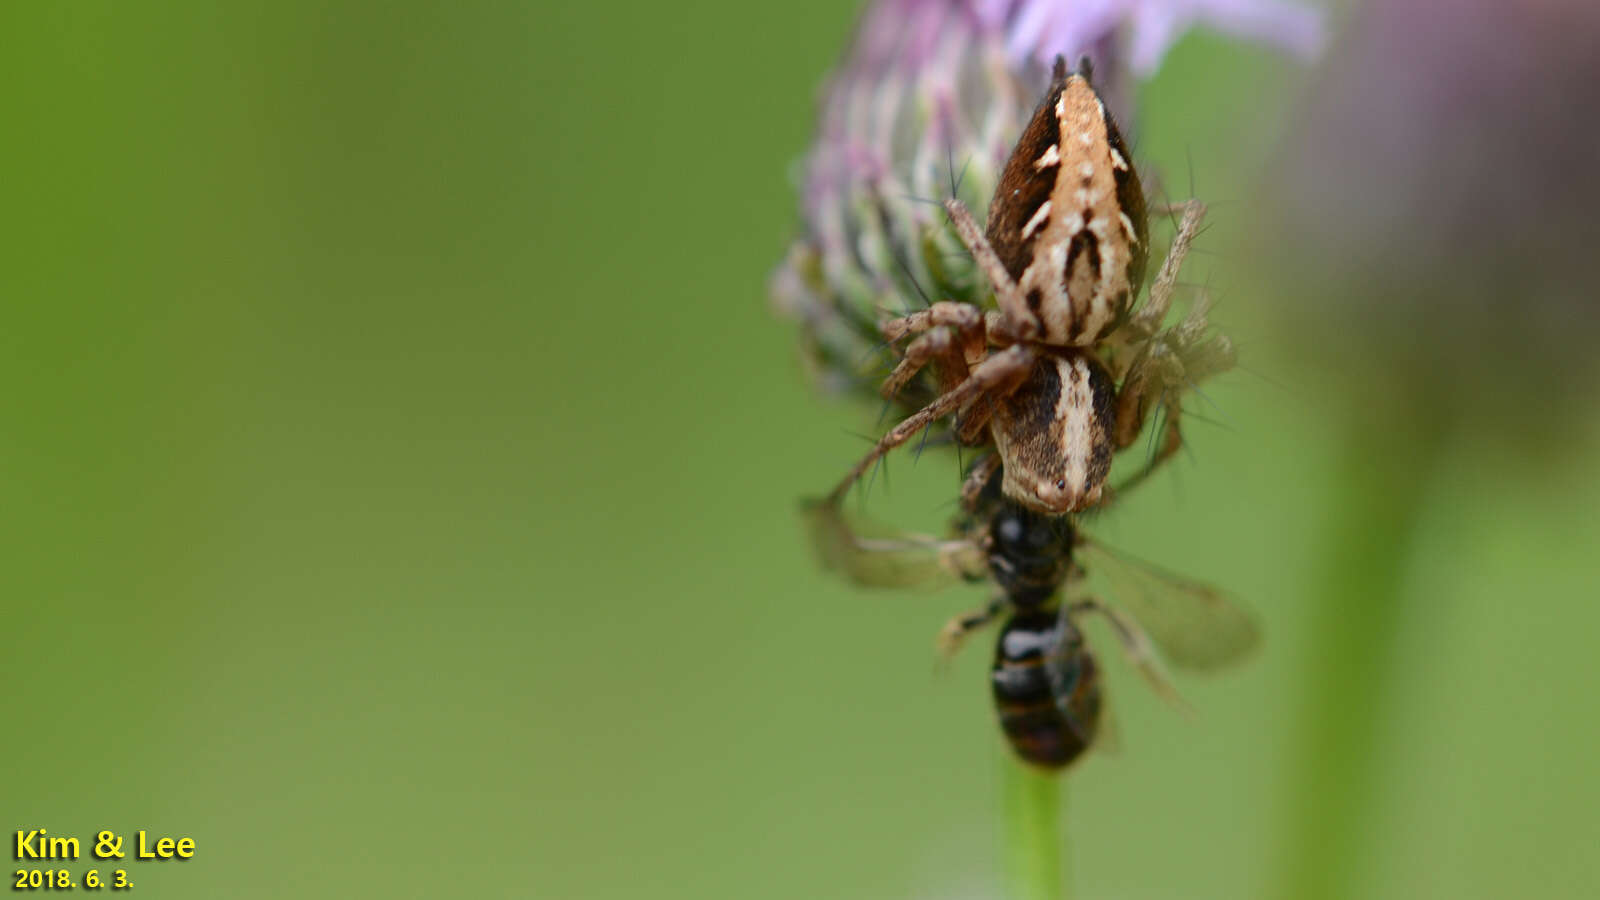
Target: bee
<point>1045,680</point>
<point>1063,372</point>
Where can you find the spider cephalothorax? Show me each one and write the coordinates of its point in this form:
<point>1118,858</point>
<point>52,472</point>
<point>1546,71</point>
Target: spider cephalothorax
<point>1055,432</point>
<point>1063,373</point>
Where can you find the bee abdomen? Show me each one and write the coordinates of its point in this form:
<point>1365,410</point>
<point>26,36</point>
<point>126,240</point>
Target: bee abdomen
<point>1046,689</point>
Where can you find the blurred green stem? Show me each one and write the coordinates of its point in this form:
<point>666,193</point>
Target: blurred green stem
<point>1034,843</point>
<point>1352,647</point>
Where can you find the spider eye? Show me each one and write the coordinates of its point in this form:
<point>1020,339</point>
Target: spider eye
<point>1061,484</point>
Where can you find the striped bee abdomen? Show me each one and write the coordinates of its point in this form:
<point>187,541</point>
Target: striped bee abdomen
<point>1046,688</point>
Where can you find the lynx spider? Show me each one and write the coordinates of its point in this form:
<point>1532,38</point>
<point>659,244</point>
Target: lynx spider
<point>1065,252</point>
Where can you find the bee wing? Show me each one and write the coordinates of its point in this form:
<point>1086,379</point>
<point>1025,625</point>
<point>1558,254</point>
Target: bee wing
<point>1195,625</point>
<point>1108,736</point>
<point>1136,650</point>
<point>1067,663</point>
<point>873,556</point>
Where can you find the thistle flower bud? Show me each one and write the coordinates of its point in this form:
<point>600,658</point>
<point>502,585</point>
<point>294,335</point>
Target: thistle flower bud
<point>926,105</point>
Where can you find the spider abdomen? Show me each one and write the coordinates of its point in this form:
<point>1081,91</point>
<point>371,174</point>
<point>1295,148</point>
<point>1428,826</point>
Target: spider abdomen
<point>1068,218</point>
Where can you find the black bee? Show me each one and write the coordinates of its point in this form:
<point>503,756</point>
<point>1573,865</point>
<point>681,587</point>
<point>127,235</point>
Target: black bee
<point>1045,680</point>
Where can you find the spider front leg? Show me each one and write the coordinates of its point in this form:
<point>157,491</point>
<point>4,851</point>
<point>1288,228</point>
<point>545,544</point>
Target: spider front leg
<point>1016,322</point>
<point>950,335</point>
<point>964,317</point>
<point>998,374</point>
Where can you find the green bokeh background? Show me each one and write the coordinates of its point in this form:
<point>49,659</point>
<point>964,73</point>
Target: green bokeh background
<point>400,465</point>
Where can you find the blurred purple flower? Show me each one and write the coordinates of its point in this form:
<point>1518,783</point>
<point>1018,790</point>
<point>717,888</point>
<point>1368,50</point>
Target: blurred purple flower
<point>928,101</point>
<point>1436,205</point>
<point>1155,25</point>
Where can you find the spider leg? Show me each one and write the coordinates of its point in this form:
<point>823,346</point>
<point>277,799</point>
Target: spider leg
<point>1171,441</point>
<point>964,317</point>
<point>932,346</point>
<point>1014,308</point>
<point>977,479</point>
<point>1148,319</point>
<point>950,334</point>
<point>1150,382</point>
<point>1167,362</point>
<point>1166,209</point>
<point>998,373</point>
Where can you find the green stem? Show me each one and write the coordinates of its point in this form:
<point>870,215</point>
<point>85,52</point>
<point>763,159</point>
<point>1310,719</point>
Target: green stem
<point>1354,620</point>
<point>1034,842</point>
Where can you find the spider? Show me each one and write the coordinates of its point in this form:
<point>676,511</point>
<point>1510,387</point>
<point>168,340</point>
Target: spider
<point>1062,375</point>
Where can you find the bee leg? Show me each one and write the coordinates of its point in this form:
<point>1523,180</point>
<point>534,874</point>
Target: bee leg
<point>957,630</point>
<point>893,559</point>
<point>1136,646</point>
<point>1000,372</point>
